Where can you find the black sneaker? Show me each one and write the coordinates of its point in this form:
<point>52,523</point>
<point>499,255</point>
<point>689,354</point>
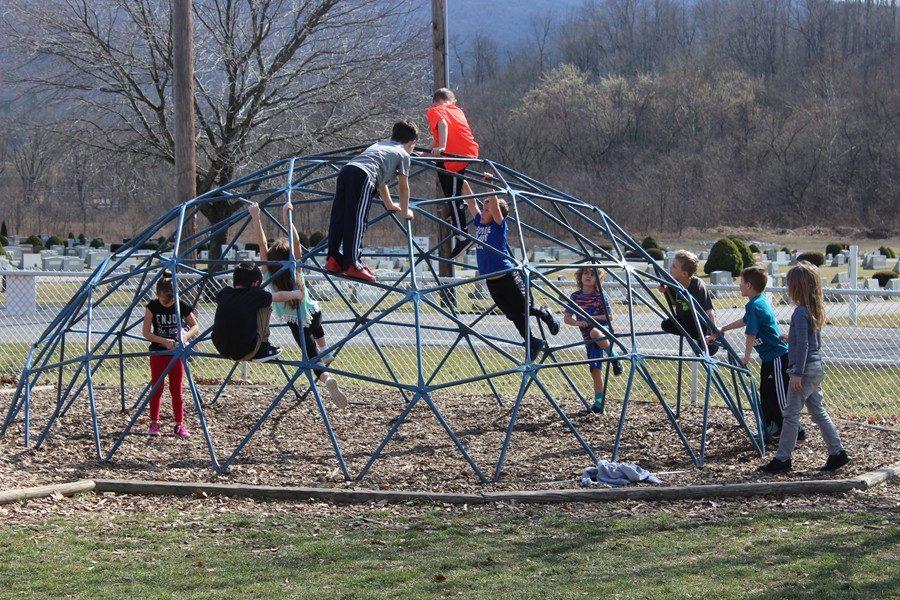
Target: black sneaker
<point>616,365</point>
<point>836,461</point>
<point>266,353</point>
<point>776,466</point>
<point>536,346</point>
<point>460,243</point>
<point>552,322</point>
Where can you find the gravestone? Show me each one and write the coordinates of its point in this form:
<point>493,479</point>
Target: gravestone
<point>896,268</point>
<point>52,263</point>
<point>95,258</point>
<point>721,278</point>
<point>47,253</point>
<point>878,262</point>
<point>893,285</point>
<point>60,250</point>
<point>72,264</point>
<point>668,260</point>
<point>704,255</point>
<point>15,254</point>
<point>828,257</point>
<point>842,278</point>
<point>32,262</point>
<point>15,240</point>
<point>82,251</point>
<point>839,260</point>
<point>245,255</point>
<point>782,257</point>
<point>70,252</point>
<point>772,269</point>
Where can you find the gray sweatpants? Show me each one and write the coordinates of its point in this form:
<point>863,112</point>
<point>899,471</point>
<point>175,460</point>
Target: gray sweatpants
<point>811,396</point>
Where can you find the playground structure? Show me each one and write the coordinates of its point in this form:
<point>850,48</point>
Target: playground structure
<point>431,318</point>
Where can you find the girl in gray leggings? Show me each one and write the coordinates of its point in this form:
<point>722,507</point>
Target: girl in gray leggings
<point>806,371</point>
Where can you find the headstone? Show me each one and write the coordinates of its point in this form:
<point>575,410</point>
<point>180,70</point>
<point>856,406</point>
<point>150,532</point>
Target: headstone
<point>70,252</point>
<point>15,240</point>
<point>842,278</point>
<point>21,294</point>
<point>704,255</point>
<point>52,263</point>
<point>70,242</point>
<point>72,264</point>
<point>782,257</point>
<point>828,257</point>
<point>721,278</point>
<point>82,251</point>
<point>31,262</point>
<point>48,253</point>
<point>95,258</point>
<point>244,255</point>
<point>878,262</point>
<point>668,260</point>
<point>15,254</point>
<point>772,269</point>
<point>204,255</point>
<point>839,260</point>
<point>896,268</point>
<point>893,285</point>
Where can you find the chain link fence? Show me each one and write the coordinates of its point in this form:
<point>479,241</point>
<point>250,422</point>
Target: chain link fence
<point>861,343</point>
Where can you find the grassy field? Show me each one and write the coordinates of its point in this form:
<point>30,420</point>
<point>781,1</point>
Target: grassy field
<point>757,554</point>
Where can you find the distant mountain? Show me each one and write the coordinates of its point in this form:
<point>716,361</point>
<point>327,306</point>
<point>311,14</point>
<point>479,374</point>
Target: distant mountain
<point>507,22</point>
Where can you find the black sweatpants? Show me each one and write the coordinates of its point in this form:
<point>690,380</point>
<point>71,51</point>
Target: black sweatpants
<point>508,292</point>
<point>309,342</point>
<point>452,187</point>
<point>773,389</point>
<point>669,326</point>
<point>352,199</point>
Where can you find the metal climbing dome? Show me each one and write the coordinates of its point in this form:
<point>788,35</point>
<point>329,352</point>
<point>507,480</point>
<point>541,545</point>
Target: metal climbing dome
<point>413,332</point>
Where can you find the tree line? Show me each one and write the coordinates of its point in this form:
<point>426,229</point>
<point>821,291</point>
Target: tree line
<point>672,114</point>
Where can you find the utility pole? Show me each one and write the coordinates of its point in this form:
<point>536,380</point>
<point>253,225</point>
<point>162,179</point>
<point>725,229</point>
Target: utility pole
<point>441,79</point>
<point>183,100</point>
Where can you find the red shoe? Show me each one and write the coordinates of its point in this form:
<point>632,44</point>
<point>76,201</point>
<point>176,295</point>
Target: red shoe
<point>331,264</point>
<point>364,274</point>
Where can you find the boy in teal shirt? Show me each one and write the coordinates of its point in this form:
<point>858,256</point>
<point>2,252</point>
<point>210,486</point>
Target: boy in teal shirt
<point>763,333</point>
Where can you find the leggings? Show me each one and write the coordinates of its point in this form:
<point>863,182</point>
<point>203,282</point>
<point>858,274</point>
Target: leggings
<point>158,364</point>
<point>308,342</point>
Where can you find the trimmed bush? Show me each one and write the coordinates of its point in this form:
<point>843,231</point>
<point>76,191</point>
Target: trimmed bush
<point>755,249</point>
<point>253,247</point>
<point>889,252</point>
<point>3,230</point>
<point>785,249</point>
<point>746,253</point>
<point>655,253</point>
<point>3,240</point>
<point>650,242</point>
<point>150,246</point>
<point>315,237</point>
<point>884,276</point>
<point>816,258</point>
<point>304,239</point>
<point>97,243</point>
<point>834,248</point>
<point>82,239</point>
<point>37,244</point>
<point>607,247</point>
<point>724,256</point>
<point>54,241</point>
<point>114,248</point>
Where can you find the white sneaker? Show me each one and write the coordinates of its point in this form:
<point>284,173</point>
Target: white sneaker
<point>337,396</point>
<point>326,359</point>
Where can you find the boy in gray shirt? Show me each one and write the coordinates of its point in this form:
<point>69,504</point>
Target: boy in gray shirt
<point>365,176</point>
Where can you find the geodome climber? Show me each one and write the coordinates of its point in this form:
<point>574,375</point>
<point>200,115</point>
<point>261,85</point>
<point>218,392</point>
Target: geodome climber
<point>399,333</point>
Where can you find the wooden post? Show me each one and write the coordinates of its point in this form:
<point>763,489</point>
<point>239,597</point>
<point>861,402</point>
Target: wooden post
<point>441,79</point>
<point>183,100</point>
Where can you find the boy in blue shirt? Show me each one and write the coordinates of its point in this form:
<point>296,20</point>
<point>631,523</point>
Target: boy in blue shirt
<point>763,333</point>
<point>506,287</point>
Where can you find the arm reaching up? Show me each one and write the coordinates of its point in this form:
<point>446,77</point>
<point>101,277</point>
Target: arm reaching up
<point>256,224</point>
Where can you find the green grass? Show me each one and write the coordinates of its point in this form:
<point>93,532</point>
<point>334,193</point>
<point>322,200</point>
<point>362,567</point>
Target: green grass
<point>785,554</point>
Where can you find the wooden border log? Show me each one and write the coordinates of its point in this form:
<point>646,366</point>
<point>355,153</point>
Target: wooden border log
<point>42,491</point>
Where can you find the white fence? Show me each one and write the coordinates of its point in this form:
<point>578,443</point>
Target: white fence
<point>861,344</point>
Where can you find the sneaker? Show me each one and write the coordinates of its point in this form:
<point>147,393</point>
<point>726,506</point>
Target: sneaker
<point>773,432</point>
<point>775,466</point>
<point>337,396</point>
<point>616,365</point>
<point>266,353</point>
<point>836,461</point>
<point>326,359</point>
<point>364,274</point>
<point>460,243</point>
<point>331,264</point>
<point>181,431</point>
<point>536,346</point>
<point>552,323</point>
<point>155,428</point>
<point>597,406</point>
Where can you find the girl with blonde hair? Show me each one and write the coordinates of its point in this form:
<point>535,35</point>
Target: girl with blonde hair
<point>806,372</point>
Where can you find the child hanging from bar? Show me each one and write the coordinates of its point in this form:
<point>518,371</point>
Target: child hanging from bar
<point>590,298</point>
<point>162,329</point>
<point>313,335</point>
<point>506,287</point>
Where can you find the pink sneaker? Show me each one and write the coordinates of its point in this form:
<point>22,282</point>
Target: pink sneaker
<point>155,428</point>
<point>181,431</point>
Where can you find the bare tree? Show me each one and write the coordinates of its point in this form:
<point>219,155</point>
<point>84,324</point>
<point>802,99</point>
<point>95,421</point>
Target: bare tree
<point>270,75</point>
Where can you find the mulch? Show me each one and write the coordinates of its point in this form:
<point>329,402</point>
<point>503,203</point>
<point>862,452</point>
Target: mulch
<point>292,448</point>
